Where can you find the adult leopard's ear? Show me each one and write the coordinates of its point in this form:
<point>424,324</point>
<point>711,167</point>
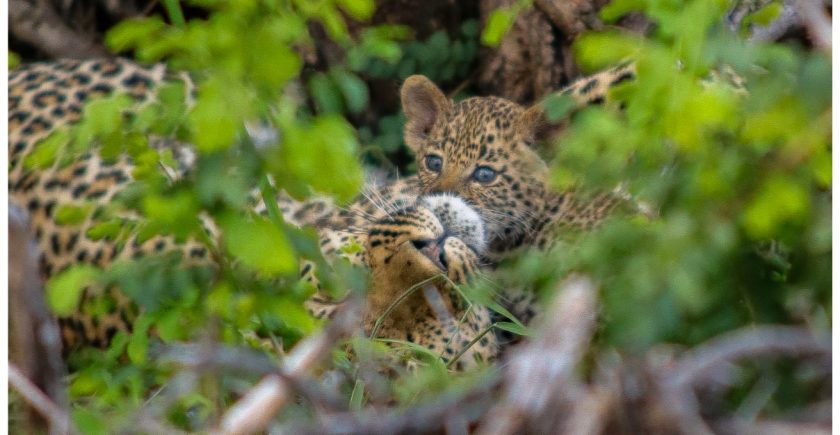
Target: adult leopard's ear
<point>423,104</point>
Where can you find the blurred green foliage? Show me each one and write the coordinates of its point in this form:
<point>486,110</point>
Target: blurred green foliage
<point>739,183</point>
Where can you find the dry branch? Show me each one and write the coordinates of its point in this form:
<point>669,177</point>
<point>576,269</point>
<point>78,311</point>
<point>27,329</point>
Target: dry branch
<point>447,410</point>
<point>676,386</point>
<point>254,411</point>
<point>57,417</point>
<point>744,343</point>
<point>34,338</point>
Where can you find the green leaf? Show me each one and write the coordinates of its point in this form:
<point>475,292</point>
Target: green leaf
<point>174,214</point>
<point>557,106</point>
<point>216,117</point>
<point>89,422</point>
<point>293,315</point>
<point>357,396</point>
<point>358,9</point>
<point>322,155</point>
<point>65,289</point>
<point>69,214</point>
<point>599,50</point>
<point>102,117</point>
<point>173,325</point>
<point>46,151</point>
<point>117,346</point>
<point>618,8</point>
<point>514,328</point>
<point>780,200</point>
<point>14,60</point>
<point>325,93</point>
<point>763,16</point>
<point>130,33</point>
<point>271,62</point>
<point>108,230</point>
<point>138,344</point>
<point>499,22</point>
<point>353,88</point>
<point>259,244</point>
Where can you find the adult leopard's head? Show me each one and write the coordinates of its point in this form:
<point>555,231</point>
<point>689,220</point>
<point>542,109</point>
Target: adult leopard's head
<point>481,149</point>
<point>436,242</point>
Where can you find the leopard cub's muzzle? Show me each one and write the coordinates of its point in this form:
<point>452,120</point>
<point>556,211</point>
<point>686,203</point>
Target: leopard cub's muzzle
<point>458,220</point>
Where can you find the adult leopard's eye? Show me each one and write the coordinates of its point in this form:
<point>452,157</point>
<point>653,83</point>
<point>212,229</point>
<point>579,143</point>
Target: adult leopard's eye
<point>484,174</point>
<point>434,163</point>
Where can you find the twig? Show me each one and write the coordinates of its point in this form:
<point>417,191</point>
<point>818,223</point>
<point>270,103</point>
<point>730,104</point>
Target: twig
<point>428,417</point>
<point>58,419</point>
<point>675,386</point>
<point>745,343</point>
<point>202,356</point>
<point>259,405</point>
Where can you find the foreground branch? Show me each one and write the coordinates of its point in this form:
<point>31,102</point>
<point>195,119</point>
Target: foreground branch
<point>540,374</point>
<point>676,385</point>
<point>257,407</point>
<point>58,419</point>
<point>34,337</point>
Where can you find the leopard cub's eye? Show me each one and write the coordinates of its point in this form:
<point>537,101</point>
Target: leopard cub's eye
<point>434,163</point>
<point>484,174</point>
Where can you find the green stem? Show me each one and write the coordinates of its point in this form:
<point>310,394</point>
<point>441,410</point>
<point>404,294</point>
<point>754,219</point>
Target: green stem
<point>173,9</point>
<point>469,345</point>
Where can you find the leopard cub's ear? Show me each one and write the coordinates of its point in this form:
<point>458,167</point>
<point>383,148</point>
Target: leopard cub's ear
<point>423,104</point>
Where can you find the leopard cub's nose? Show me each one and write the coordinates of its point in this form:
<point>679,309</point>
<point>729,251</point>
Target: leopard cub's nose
<point>433,250</point>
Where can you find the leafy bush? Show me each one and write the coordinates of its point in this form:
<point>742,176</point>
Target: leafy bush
<point>739,182</point>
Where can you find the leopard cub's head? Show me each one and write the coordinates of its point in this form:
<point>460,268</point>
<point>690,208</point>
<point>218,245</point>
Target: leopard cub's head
<point>481,149</point>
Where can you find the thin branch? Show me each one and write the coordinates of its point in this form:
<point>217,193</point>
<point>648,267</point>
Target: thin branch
<point>258,406</point>
<point>58,419</point>
<point>747,342</point>
<point>675,386</point>
<point>431,416</point>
